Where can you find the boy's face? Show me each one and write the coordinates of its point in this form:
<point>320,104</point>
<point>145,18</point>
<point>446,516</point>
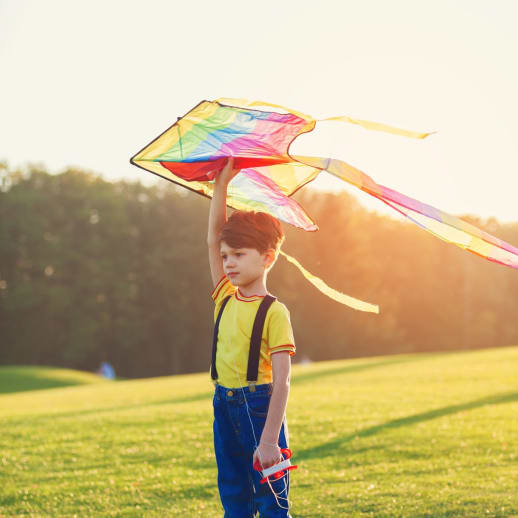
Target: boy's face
<point>243,266</point>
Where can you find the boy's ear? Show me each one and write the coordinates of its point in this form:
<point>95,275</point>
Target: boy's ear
<point>269,257</point>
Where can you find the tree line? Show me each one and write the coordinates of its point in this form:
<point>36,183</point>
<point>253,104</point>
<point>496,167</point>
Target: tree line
<point>92,270</point>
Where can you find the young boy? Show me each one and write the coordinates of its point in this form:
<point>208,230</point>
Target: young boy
<point>249,416</point>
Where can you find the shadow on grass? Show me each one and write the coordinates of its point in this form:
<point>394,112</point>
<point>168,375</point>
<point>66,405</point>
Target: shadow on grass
<point>329,448</point>
<point>205,491</point>
<point>305,377</point>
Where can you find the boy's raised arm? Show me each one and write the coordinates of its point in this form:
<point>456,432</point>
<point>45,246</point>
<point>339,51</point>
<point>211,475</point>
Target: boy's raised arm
<point>218,217</point>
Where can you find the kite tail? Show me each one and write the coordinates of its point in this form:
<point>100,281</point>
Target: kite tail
<point>368,125</point>
<point>445,226</point>
<point>379,126</point>
<point>360,305</point>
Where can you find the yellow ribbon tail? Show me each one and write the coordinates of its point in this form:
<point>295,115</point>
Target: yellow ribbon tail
<point>360,305</point>
<point>369,125</point>
<point>378,126</point>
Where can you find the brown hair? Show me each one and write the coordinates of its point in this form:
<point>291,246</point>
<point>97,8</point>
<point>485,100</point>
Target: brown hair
<point>257,230</point>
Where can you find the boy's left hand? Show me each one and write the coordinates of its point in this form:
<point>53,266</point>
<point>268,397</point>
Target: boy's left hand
<point>267,455</point>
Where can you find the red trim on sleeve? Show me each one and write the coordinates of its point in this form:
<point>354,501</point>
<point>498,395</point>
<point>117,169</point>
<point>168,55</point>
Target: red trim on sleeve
<point>283,345</point>
<point>291,352</point>
<point>218,287</point>
<point>286,347</point>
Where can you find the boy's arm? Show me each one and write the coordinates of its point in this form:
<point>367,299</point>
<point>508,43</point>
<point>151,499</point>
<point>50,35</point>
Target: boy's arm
<point>268,450</point>
<point>218,217</point>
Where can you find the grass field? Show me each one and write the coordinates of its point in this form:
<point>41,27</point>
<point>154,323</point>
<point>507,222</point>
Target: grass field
<point>431,435</point>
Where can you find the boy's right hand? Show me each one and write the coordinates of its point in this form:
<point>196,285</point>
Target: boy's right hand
<point>227,173</point>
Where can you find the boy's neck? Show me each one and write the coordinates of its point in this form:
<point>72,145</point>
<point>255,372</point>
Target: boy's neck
<point>257,287</point>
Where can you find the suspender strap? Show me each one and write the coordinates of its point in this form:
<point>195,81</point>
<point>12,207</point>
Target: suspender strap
<point>255,341</point>
<point>213,371</point>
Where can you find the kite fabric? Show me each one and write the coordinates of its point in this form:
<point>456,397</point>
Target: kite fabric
<point>196,147</point>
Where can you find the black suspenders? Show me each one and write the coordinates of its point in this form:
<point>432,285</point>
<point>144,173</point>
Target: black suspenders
<point>213,371</point>
<point>255,339</point>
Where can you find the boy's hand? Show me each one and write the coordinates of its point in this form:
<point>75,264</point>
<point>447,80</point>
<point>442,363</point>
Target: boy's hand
<point>267,455</point>
<point>227,173</point>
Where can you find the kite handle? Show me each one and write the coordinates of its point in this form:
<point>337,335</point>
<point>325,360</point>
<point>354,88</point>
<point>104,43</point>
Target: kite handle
<point>278,470</point>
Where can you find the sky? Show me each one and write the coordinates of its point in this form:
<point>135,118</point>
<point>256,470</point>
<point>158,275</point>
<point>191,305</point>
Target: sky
<point>89,83</point>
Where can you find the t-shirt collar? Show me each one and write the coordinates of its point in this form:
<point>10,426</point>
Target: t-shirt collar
<point>244,298</point>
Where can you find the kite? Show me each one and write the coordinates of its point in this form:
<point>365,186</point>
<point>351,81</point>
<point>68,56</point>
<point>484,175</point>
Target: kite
<point>196,147</point>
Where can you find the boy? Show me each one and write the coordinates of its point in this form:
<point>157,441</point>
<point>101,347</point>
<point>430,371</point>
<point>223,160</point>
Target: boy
<point>249,416</point>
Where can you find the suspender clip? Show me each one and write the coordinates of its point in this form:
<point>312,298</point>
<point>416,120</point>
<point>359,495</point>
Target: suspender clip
<point>251,386</point>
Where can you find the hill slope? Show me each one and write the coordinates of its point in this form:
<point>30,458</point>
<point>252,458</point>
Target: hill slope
<point>20,378</point>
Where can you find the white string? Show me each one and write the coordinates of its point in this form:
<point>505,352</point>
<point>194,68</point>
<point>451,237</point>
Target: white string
<point>285,489</point>
<point>286,474</point>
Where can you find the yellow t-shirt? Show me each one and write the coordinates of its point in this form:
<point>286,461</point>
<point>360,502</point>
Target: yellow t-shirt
<point>235,331</point>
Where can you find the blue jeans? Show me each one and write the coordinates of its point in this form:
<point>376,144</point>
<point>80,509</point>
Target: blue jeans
<point>240,490</point>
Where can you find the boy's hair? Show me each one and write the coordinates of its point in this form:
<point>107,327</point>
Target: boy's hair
<point>248,229</point>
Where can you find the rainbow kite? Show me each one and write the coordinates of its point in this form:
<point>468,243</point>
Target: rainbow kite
<point>195,148</point>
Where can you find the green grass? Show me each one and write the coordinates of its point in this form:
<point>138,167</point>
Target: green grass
<point>432,435</point>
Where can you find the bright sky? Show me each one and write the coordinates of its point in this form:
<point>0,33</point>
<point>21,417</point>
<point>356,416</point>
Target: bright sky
<point>89,83</point>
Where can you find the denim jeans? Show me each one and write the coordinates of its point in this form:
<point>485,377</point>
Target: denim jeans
<point>240,490</point>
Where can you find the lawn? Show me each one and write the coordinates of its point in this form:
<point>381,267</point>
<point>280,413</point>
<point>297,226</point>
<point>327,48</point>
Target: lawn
<point>429,435</point>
